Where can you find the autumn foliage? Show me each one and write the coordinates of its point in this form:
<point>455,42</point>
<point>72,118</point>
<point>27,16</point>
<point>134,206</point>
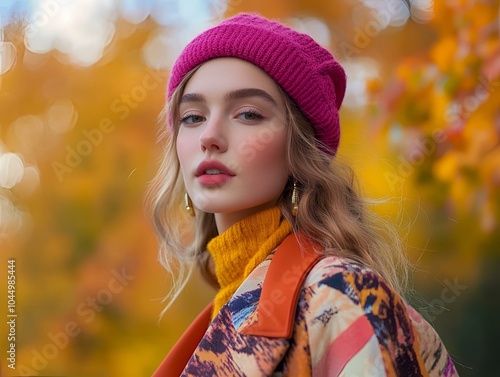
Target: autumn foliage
<point>78,126</point>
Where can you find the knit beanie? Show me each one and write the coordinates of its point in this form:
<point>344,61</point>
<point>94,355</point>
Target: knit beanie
<point>307,72</point>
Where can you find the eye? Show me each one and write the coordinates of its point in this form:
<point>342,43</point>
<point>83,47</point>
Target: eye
<point>250,115</point>
<point>191,119</point>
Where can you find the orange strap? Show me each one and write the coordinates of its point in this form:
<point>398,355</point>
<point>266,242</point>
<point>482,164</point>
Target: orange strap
<point>276,309</point>
<point>179,355</point>
<point>281,289</point>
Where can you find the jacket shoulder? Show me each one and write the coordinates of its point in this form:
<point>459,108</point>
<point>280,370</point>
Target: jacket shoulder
<point>350,278</point>
<point>343,300</point>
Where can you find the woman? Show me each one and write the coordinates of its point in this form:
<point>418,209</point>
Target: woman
<point>307,284</point>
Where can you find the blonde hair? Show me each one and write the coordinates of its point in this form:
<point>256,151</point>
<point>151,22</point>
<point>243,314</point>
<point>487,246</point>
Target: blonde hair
<point>331,213</point>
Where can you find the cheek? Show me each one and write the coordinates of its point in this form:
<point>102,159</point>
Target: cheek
<point>185,148</point>
<point>270,161</point>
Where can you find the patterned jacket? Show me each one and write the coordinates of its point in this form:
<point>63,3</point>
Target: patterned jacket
<point>312,317</point>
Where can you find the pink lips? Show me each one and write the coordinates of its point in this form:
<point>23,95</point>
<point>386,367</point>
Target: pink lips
<point>223,175</point>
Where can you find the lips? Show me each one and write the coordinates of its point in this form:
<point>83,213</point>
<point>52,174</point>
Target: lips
<point>213,173</point>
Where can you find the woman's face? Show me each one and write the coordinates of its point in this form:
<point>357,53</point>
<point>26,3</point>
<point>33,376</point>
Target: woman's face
<point>231,142</point>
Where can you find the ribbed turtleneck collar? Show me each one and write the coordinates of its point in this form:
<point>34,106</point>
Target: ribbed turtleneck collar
<point>242,247</point>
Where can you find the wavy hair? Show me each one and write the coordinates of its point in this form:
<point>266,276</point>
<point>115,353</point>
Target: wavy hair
<point>331,212</point>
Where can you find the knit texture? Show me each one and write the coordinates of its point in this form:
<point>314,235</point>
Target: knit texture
<point>242,247</point>
<point>305,70</point>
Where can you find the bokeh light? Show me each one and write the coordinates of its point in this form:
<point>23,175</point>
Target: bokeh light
<point>80,29</point>
<point>8,56</point>
<point>28,130</point>
<point>10,218</point>
<point>62,116</point>
<point>359,72</point>
<point>11,170</point>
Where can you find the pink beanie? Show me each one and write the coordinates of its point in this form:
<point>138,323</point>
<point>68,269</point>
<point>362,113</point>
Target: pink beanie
<point>307,72</point>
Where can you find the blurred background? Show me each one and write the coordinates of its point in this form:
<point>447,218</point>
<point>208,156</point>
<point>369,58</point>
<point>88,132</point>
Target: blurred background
<point>81,85</point>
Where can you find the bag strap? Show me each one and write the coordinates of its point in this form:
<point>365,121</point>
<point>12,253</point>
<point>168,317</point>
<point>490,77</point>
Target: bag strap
<point>291,263</point>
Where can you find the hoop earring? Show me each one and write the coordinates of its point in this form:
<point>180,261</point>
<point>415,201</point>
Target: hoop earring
<point>295,199</point>
<point>189,204</point>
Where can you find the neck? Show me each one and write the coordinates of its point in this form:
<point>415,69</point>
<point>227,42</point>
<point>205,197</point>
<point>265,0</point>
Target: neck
<point>224,221</point>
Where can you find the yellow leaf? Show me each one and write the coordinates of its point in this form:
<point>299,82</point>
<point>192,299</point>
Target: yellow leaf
<point>460,193</point>
<point>446,168</point>
<point>443,53</point>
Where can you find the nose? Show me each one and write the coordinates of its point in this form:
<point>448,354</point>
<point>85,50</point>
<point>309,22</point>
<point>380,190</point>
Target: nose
<point>213,136</point>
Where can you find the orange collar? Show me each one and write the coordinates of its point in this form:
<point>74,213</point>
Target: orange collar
<point>282,286</point>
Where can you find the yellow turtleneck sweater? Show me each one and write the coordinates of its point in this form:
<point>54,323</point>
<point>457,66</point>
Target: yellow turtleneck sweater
<point>242,247</point>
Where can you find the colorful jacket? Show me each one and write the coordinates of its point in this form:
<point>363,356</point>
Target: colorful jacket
<point>342,320</point>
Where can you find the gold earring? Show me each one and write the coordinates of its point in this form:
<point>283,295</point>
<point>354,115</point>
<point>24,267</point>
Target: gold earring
<point>189,204</point>
<point>295,199</point>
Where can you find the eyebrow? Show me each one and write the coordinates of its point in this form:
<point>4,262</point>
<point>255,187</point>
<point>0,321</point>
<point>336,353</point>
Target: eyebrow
<point>232,96</point>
